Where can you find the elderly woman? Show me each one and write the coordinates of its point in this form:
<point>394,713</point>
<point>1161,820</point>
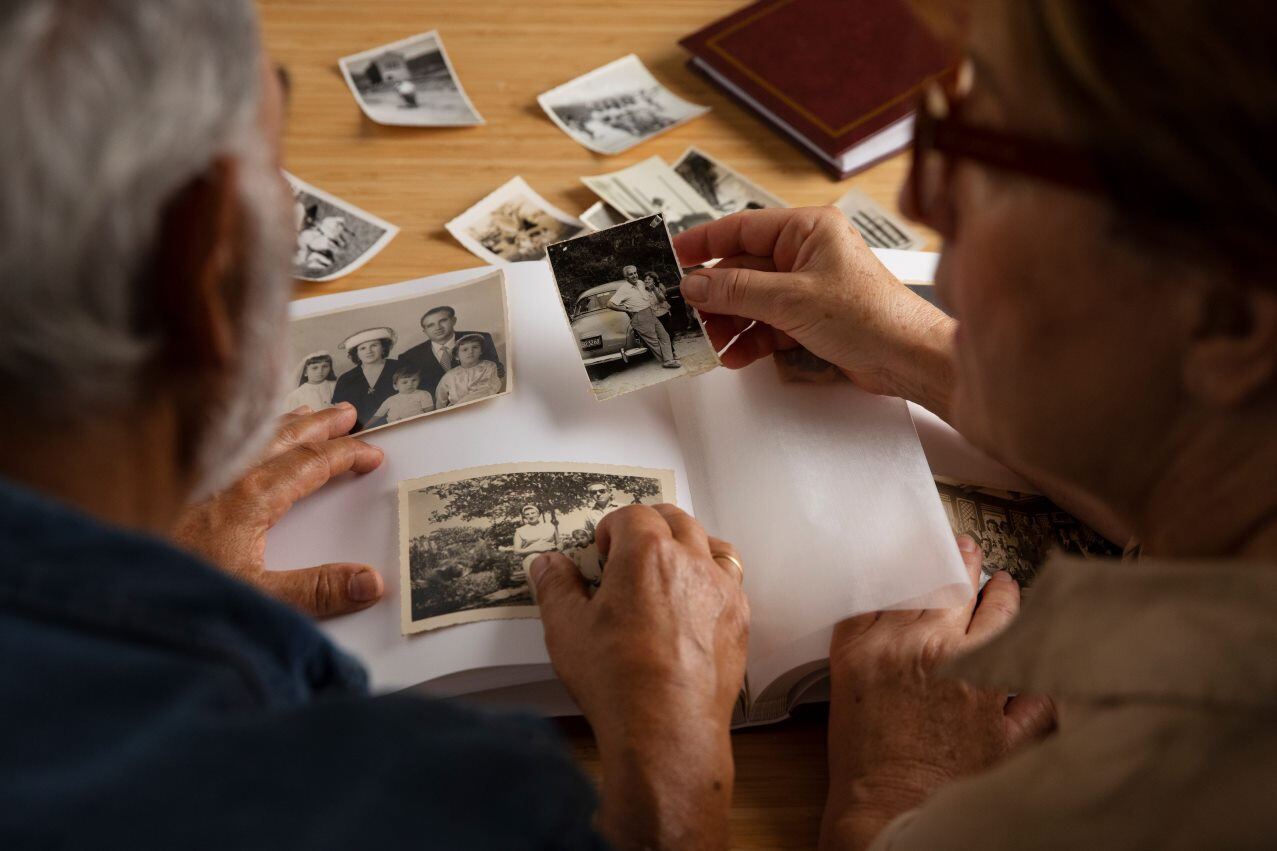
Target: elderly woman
<point>372,382</point>
<point>1104,179</point>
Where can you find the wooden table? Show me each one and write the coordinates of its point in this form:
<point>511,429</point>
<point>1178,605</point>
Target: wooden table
<point>506,53</point>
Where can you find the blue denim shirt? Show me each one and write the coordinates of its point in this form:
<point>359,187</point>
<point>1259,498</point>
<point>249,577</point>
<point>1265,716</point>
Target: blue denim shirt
<point>149,701</point>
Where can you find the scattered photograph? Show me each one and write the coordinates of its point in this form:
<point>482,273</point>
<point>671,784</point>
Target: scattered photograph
<point>467,538</point>
<point>1017,532</point>
<point>653,188</point>
<point>727,191</point>
<point>621,294</point>
<point>880,228</point>
<point>613,108</point>
<point>400,359</point>
<point>602,216</point>
<point>513,224</point>
<point>410,83</point>
<point>333,238</point>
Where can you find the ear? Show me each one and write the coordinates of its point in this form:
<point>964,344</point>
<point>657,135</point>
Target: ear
<point>1234,353</point>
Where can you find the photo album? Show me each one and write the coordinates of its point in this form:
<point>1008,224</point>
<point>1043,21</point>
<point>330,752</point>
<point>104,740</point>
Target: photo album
<point>825,490</point>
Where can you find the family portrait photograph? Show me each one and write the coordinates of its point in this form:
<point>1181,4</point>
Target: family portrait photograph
<point>620,290</point>
<point>513,224</point>
<point>613,108</point>
<point>334,238</point>
<point>410,83</point>
<point>467,538</point>
<point>726,190</point>
<point>405,358</point>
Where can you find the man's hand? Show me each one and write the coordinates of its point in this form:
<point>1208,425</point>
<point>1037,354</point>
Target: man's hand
<point>897,730</point>
<point>230,528</point>
<point>656,660</point>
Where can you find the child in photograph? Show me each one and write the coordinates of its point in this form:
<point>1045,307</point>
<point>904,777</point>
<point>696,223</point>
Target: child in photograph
<point>315,383</point>
<point>474,379</point>
<point>409,399</point>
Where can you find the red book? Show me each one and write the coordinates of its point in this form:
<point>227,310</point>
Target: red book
<point>841,77</point>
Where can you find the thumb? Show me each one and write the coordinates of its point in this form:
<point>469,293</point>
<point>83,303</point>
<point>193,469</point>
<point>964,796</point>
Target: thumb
<point>558,588</point>
<point>748,293</point>
<point>326,590</point>
<point>1028,717</point>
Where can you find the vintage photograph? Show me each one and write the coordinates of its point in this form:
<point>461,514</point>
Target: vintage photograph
<point>1017,532</point>
<point>333,238</point>
<point>468,537</point>
<point>613,108</point>
<point>620,293</point>
<point>404,358</point>
<point>652,188</point>
<point>880,228</point>
<point>725,190</point>
<point>513,224</point>
<point>410,83</point>
<point>601,216</point>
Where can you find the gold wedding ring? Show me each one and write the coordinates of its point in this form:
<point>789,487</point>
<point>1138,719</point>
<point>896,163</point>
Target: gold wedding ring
<point>740,568</point>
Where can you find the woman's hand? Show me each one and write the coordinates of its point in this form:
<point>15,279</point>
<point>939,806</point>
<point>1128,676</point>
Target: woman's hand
<point>898,730</point>
<point>809,278</point>
<point>230,529</point>
<point>656,661</point>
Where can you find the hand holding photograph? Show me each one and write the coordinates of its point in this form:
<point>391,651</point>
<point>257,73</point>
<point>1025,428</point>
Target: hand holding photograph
<point>621,296</point>
<point>334,238</point>
<point>467,538</point>
<point>725,190</point>
<point>513,224</point>
<point>410,83</point>
<point>652,187</point>
<point>613,108</point>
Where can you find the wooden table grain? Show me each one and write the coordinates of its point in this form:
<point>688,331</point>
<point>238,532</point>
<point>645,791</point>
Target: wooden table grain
<point>506,53</point>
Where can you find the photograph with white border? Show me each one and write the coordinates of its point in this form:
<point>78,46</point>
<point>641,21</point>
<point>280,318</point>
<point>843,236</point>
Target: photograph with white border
<point>613,108</point>
<point>601,216</point>
<point>879,227</point>
<point>403,358</point>
<point>723,188</point>
<point>468,537</point>
<point>649,188</point>
<point>334,238</point>
<point>410,83</point>
<point>513,224</point>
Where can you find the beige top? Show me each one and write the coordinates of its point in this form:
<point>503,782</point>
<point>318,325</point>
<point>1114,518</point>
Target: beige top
<point>1165,675</point>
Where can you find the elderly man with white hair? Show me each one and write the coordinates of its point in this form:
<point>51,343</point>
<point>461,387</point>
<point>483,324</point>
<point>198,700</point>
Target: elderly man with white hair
<point>161,689</point>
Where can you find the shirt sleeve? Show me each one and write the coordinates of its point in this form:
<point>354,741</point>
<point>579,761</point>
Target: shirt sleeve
<point>384,410</point>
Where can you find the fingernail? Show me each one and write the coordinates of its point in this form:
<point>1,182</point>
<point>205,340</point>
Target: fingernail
<point>1002,576</point>
<point>966,543</point>
<point>364,587</point>
<point>695,288</point>
<point>537,570</point>
<point>302,410</point>
<point>345,406</point>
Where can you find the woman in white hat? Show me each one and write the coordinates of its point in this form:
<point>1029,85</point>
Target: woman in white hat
<point>372,382</point>
<point>315,383</point>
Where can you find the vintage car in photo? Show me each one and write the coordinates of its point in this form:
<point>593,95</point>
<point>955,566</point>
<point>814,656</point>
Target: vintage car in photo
<point>604,336</point>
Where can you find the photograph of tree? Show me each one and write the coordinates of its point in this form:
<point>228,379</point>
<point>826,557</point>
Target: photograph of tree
<point>468,537</point>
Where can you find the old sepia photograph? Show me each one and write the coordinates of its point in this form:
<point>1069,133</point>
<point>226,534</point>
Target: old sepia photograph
<point>621,294</point>
<point>1017,532</point>
<point>334,238</point>
<point>651,187</point>
<point>613,108</point>
<point>410,83</point>
<point>880,228</point>
<point>724,189</point>
<point>404,358</point>
<point>601,216</point>
<point>513,224</point>
<point>467,538</point>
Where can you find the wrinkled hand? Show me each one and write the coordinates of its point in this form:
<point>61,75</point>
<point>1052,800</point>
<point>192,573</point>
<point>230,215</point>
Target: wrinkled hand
<point>230,529</point>
<point>897,730</point>
<point>656,660</point>
<point>807,276</point>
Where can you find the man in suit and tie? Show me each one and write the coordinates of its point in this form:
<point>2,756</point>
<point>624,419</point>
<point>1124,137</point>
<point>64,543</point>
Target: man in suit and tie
<point>438,353</point>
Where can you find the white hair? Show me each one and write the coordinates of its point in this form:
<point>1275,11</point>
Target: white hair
<point>112,108</point>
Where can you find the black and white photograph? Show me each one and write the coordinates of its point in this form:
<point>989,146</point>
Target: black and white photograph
<point>601,216</point>
<point>652,187</point>
<point>334,238</point>
<point>613,108</point>
<point>879,227</point>
<point>621,295</point>
<point>513,224</point>
<point>467,538</point>
<point>410,83</point>
<point>1017,532</point>
<point>404,358</point>
<point>726,190</point>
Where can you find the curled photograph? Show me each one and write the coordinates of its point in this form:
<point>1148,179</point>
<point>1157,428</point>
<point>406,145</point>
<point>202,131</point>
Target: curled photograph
<point>410,83</point>
<point>513,224</point>
<point>725,189</point>
<point>334,238</point>
<point>467,538</point>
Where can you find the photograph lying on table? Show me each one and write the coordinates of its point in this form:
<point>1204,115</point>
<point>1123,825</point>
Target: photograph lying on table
<point>513,224</point>
<point>726,190</point>
<point>613,108</point>
<point>333,238</point>
<point>652,187</point>
<point>1018,531</point>
<point>880,228</point>
<point>621,294</point>
<point>410,83</point>
<point>404,358</point>
<point>467,538</point>
<point>601,216</point>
